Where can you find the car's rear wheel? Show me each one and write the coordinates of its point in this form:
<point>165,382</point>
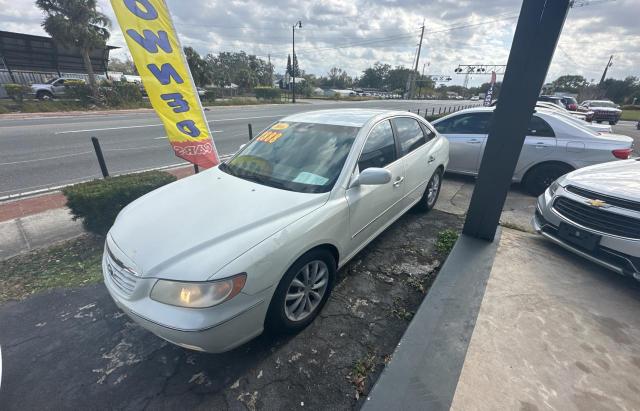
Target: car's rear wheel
<point>613,123</point>
<point>44,95</point>
<point>302,292</point>
<point>541,176</point>
<point>431,193</point>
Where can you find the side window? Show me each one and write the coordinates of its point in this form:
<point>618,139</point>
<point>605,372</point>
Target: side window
<point>428,132</point>
<point>540,128</point>
<point>410,134</point>
<point>60,82</point>
<point>471,123</point>
<point>380,147</point>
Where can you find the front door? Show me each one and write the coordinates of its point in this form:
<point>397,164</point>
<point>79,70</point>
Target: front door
<point>371,207</point>
<point>539,144</point>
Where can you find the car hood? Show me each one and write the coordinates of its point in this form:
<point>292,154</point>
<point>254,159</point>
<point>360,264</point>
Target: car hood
<point>212,216</point>
<point>617,178</point>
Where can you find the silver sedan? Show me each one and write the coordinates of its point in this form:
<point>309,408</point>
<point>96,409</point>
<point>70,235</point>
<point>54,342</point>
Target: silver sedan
<point>209,261</point>
<point>553,146</point>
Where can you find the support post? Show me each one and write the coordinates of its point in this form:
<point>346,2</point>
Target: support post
<point>534,42</point>
<point>101,162</point>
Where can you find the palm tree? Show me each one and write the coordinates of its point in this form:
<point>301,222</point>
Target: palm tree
<point>77,23</point>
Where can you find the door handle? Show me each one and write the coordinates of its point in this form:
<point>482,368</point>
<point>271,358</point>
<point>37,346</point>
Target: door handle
<point>474,141</point>
<point>431,159</point>
<point>541,145</point>
<point>398,181</point>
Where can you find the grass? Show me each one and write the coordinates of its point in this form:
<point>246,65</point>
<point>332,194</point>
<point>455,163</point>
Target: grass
<point>54,106</point>
<point>630,115</point>
<point>70,264</point>
<point>446,240</point>
<point>361,369</point>
<point>239,101</point>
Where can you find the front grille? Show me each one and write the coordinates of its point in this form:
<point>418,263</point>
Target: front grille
<point>605,114</point>
<point>598,218</point>
<point>121,277</point>
<point>615,201</point>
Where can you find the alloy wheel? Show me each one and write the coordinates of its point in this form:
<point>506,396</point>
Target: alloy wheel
<point>432,189</point>
<point>306,290</point>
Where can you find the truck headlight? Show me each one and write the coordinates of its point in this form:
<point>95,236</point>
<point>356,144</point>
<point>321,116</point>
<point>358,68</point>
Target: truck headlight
<point>553,188</point>
<point>197,294</point>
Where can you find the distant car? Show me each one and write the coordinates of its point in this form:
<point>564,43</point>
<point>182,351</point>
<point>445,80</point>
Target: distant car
<point>595,213</point>
<point>582,115</point>
<point>603,110</point>
<point>53,88</point>
<point>552,99</point>
<point>272,226</point>
<point>201,91</point>
<point>599,128</point>
<point>553,146</point>
<point>475,98</point>
<point>570,103</point>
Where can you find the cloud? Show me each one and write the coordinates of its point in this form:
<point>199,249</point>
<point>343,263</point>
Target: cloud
<point>354,34</point>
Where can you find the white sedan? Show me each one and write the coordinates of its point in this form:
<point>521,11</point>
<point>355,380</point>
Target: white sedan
<point>553,146</point>
<point>211,260</point>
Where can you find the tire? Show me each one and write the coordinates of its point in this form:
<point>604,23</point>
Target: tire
<point>281,314</point>
<point>44,95</point>
<point>431,193</point>
<point>540,177</point>
<point>613,123</point>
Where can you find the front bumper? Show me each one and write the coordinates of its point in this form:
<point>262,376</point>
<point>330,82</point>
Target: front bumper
<point>618,254</point>
<point>215,330</point>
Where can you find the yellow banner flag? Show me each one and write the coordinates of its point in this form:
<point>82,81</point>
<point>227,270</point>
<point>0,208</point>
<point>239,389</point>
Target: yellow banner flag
<point>159,59</point>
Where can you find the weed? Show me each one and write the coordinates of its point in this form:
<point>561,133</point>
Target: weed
<point>360,371</point>
<point>446,239</point>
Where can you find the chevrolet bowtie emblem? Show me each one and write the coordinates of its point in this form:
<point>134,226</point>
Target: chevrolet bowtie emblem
<point>596,203</point>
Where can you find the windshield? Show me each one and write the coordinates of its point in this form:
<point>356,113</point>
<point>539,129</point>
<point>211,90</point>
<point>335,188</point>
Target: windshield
<point>52,80</point>
<point>603,104</point>
<point>303,157</point>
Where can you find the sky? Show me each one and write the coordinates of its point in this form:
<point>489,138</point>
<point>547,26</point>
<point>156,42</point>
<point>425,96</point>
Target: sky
<point>354,34</point>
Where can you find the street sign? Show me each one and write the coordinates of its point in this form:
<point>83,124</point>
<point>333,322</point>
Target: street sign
<point>158,56</point>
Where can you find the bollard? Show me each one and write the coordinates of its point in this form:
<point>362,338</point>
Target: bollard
<point>250,132</point>
<point>433,111</point>
<point>439,108</point>
<point>196,169</point>
<point>103,165</point>
<point>418,112</point>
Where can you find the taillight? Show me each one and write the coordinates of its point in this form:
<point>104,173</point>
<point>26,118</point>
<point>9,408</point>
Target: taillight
<point>573,107</point>
<point>623,153</point>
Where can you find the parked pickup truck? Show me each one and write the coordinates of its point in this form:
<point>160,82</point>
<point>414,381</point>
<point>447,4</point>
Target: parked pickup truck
<point>51,89</point>
<point>603,110</point>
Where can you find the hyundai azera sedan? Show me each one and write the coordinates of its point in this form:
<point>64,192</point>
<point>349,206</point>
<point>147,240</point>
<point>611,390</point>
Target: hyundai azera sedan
<point>553,146</point>
<point>209,261</point>
<point>595,213</point>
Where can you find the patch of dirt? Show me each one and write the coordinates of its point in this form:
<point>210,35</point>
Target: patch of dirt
<point>70,264</point>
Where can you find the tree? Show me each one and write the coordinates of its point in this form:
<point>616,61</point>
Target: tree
<point>289,68</point>
<point>374,77</point>
<point>124,66</point>
<point>197,66</point>
<point>295,68</point>
<point>77,23</point>
<point>570,83</point>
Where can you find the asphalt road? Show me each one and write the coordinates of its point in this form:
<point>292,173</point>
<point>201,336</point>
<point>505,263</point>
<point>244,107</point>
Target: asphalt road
<point>41,152</point>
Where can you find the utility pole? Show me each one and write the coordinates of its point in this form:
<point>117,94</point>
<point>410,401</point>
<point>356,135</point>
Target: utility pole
<point>294,59</point>
<point>412,85</point>
<point>604,74</point>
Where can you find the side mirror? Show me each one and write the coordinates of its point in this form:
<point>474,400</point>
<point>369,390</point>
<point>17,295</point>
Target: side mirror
<point>372,176</point>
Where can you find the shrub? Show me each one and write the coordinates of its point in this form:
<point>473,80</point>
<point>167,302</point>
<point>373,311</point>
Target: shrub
<point>267,93</point>
<point>210,95</point>
<point>120,93</point>
<point>79,90</point>
<point>631,107</point>
<point>446,240</point>
<point>16,92</point>
<point>98,202</point>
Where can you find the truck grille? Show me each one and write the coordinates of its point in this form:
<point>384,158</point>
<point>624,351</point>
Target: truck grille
<point>597,218</point>
<point>122,278</point>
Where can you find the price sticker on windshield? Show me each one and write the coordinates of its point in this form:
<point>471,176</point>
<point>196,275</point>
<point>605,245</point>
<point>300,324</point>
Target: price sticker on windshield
<point>269,137</point>
<point>279,126</point>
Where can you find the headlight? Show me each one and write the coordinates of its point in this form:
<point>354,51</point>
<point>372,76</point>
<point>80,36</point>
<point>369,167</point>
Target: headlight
<point>197,295</point>
<point>553,188</point>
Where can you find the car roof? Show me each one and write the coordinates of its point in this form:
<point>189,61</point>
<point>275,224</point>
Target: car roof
<point>352,117</point>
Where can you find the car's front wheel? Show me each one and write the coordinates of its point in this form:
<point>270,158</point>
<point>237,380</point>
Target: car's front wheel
<point>613,123</point>
<point>302,292</point>
<point>44,95</point>
<point>431,193</point>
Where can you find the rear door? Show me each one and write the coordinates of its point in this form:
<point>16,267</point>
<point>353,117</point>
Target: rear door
<point>539,145</point>
<point>415,147</point>
<point>371,207</point>
<point>467,135</point>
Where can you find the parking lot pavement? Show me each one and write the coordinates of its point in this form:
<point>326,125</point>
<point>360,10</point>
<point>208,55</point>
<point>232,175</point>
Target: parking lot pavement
<point>73,349</point>
<point>628,128</point>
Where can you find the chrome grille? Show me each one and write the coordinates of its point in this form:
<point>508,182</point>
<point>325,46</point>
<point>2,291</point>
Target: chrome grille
<point>597,218</point>
<point>615,201</point>
<point>122,277</point>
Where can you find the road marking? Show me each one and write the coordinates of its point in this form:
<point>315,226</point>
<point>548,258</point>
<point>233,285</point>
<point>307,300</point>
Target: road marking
<point>164,137</point>
<point>158,125</point>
